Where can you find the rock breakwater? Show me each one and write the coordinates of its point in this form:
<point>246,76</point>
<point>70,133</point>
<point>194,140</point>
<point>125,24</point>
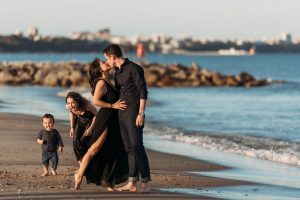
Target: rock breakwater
<point>157,75</point>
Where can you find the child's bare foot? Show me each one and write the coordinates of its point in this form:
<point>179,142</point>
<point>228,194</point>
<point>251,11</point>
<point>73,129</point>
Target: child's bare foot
<point>53,172</point>
<point>145,188</point>
<point>45,174</point>
<point>131,187</point>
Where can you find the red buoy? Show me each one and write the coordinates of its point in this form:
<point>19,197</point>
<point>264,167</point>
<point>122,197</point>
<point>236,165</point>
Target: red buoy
<point>140,51</point>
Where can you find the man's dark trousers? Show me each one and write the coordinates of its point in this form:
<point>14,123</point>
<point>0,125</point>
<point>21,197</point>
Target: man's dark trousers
<point>133,141</point>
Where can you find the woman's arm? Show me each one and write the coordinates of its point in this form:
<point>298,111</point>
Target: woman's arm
<point>100,91</point>
<point>92,109</point>
<point>72,124</point>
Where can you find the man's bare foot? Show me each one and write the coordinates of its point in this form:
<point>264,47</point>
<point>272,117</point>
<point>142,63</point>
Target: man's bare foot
<point>45,174</point>
<point>130,187</point>
<point>53,172</point>
<point>145,188</point>
<point>78,180</point>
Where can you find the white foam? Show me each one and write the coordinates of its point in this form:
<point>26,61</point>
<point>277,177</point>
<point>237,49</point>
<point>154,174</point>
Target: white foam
<point>285,152</point>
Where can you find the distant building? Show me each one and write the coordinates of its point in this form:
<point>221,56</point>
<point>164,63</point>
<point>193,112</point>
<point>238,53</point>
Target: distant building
<point>90,36</point>
<point>240,42</point>
<point>32,32</point>
<point>82,36</point>
<point>18,33</point>
<point>284,38</point>
<point>152,47</point>
<point>103,34</point>
<point>118,40</point>
<point>155,38</point>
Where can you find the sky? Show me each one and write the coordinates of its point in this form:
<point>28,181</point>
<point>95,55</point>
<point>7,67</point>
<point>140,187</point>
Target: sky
<point>215,19</point>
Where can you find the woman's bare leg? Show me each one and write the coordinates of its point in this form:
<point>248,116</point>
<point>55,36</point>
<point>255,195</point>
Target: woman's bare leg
<point>92,151</point>
<point>79,162</point>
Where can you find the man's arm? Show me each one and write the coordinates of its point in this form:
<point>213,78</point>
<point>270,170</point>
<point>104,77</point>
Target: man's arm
<point>140,119</point>
<point>142,106</point>
<point>139,80</point>
<point>137,73</point>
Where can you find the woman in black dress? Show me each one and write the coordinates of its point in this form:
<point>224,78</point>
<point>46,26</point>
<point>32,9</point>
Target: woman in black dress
<point>82,119</point>
<point>105,162</point>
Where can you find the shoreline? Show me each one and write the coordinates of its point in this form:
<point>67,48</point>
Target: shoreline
<point>21,166</point>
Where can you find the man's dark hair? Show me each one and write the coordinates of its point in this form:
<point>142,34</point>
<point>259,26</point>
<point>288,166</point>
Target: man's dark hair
<point>113,50</point>
<point>49,116</point>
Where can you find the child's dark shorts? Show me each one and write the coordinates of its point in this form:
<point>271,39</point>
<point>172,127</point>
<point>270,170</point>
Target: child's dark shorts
<point>47,156</point>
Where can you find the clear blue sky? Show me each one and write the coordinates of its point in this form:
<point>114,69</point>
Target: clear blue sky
<point>197,18</point>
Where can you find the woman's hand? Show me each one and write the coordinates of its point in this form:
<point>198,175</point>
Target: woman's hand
<point>120,105</point>
<point>68,107</point>
<point>87,132</point>
<point>72,132</point>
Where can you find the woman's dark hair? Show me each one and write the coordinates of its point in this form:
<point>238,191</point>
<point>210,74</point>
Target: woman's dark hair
<point>114,50</point>
<point>80,100</point>
<point>95,73</point>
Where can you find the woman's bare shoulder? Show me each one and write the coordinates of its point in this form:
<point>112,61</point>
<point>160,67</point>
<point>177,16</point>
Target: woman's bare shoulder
<point>100,83</point>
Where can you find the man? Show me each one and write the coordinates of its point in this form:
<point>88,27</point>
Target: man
<point>130,81</point>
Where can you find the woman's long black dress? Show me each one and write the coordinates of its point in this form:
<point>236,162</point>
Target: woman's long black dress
<point>80,142</point>
<point>110,165</point>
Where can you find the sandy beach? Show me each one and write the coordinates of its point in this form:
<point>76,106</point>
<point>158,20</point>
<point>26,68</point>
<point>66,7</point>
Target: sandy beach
<point>20,169</point>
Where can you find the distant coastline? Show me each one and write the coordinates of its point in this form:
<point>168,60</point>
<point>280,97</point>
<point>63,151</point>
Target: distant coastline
<point>88,42</point>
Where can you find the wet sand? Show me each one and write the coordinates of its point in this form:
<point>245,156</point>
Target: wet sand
<point>20,168</point>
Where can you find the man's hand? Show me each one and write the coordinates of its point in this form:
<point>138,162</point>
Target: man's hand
<point>139,120</point>
<point>60,149</point>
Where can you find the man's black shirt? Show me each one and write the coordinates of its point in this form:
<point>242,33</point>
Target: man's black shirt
<point>131,84</point>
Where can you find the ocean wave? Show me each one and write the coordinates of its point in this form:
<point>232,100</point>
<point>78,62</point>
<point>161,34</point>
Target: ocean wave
<point>257,147</point>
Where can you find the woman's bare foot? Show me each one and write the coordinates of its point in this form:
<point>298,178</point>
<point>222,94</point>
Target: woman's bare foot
<point>78,180</point>
<point>110,189</point>
<point>145,188</point>
<point>45,174</point>
<point>131,187</point>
